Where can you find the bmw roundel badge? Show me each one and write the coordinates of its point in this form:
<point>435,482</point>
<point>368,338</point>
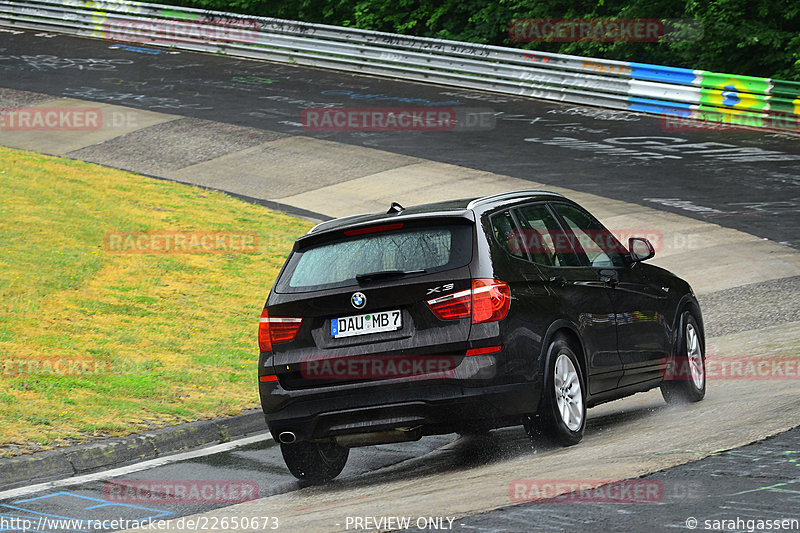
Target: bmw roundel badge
<point>358,300</point>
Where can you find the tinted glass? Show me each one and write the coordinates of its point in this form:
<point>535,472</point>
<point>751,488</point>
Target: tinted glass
<point>544,239</point>
<point>337,263</point>
<point>505,234</point>
<point>602,249</point>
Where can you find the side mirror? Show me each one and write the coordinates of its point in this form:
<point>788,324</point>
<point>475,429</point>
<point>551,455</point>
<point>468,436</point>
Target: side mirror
<point>640,249</point>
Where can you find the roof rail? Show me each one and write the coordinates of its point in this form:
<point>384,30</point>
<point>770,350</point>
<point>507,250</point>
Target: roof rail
<point>509,196</point>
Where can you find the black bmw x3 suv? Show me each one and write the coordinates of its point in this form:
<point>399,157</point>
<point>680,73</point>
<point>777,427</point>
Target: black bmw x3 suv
<point>462,316</point>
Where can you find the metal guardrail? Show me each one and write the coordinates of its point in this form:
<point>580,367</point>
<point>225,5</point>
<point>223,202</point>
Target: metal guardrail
<point>686,93</point>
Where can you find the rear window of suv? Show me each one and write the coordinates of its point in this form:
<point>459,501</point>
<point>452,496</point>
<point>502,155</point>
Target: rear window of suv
<point>336,263</point>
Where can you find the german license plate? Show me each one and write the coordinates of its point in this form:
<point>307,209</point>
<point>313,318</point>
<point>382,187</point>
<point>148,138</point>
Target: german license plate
<point>351,326</point>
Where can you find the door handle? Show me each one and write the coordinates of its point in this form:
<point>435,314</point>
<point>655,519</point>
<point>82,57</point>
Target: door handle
<point>558,280</point>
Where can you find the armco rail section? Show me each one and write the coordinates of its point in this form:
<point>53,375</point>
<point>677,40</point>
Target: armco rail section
<point>692,94</point>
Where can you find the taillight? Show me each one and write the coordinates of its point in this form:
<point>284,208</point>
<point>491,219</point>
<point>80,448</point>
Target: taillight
<point>274,330</point>
<point>452,306</point>
<point>487,301</point>
<point>490,300</point>
<point>264,342</point>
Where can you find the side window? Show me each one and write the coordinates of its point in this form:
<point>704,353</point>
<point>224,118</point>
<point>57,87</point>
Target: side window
<point>543,238</point>
<point>601,247</point>
<point>504,231</point>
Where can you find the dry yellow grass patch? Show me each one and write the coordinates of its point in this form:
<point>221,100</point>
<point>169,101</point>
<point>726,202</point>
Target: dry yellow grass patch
<point>95,342</point>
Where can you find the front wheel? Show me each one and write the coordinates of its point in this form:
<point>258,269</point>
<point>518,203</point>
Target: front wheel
<point>315,461</point>
<point>685,377</point>
<point>562,413</point>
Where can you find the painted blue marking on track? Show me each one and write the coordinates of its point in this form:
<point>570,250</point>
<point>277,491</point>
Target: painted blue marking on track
<point>102,502</point>
<point>25,513</point>
<point>137,49</point>
<point>31,511</point>
<point>42,515</point>
<point>645,71</point>
<point>101,505</point>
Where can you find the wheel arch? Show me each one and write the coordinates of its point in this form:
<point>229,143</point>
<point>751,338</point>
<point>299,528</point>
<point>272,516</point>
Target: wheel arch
<point>568,329</point>
<point>688,303</point>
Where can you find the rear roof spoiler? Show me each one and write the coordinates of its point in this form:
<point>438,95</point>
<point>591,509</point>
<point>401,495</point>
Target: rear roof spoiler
<point>509,196</point>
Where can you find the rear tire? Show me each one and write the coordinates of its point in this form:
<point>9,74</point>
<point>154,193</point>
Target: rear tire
<point>685,379</point>
<point>315,461</point>
<point>561,418</point>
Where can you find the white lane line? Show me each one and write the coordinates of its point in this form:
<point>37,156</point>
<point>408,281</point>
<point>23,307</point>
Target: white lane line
<point>144,465</point>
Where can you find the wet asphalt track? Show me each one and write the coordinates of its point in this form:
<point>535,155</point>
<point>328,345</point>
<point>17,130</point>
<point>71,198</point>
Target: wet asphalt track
<point>257,466</point>
<point>756,482</point>
<point>731,491</point>
<point>747,180</point>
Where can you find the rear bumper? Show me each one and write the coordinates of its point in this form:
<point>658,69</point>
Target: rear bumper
<point>436,406</point>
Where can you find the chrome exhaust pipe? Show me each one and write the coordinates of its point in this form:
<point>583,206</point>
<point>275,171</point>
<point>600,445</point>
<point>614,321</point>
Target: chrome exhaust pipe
<point>287,437</point>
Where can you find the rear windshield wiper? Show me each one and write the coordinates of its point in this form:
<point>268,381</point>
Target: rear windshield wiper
<point>382,274</point>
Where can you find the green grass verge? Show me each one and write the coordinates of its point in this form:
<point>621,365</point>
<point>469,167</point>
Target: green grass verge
<point>95,342</point>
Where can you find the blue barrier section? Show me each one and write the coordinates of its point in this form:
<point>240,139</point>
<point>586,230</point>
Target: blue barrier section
<point>644,71</point>
<point>647,105</point>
